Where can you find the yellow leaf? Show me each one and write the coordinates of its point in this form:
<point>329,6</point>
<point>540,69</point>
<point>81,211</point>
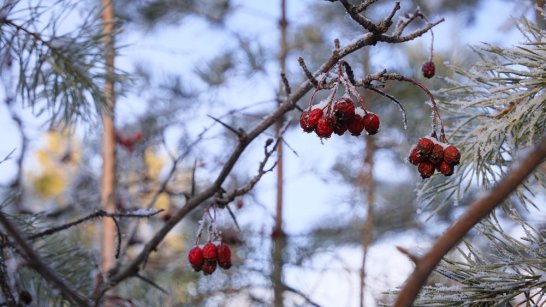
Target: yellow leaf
<point>154,163</point>
<point>49,184</point>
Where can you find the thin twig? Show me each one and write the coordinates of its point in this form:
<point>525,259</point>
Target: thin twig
<point>286,84</point>
<point>398,103</point>
<point>308,73</point>
<point>237,132</point>
<point>96,214</point>
<point>151,282</point>
<point>479,209</point>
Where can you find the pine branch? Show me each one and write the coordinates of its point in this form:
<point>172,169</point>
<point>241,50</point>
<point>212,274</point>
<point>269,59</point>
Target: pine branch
<point>36,262</point>
<point>476,212</point>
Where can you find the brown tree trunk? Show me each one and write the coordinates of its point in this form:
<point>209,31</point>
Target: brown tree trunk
<point>367,183</point>
<point>108,185</point>
<point>278,237</point>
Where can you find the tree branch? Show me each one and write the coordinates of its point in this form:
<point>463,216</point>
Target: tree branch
<point>133,267</point>
<point>476,212</point>
<point>36,262</point>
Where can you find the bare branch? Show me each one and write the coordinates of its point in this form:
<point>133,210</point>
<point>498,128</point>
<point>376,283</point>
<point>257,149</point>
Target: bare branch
<point>308,74</point>
<point>238,132</point>
<point>361,20</point>
<point>96,214</point>
<point>133,267</point>
<point>479,209</point>
<point>286,84</point>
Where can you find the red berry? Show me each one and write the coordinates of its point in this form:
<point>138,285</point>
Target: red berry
<point>445,168</point>
<point>195,257</point>
<point>325,127</point>
<point>355,125</point>
<point>309,120</point>
<point>344,108</point>
<point>209,267</point>
<point>452,155</point>
<point>224,256</point>
<point>437,154</point>
<point>340,127</point>
<point>415,156</point>
<point>371,123</point>
<point>425,145</point>
<point>426,169</point>
<point>428,69</point>
<point>209,251</point>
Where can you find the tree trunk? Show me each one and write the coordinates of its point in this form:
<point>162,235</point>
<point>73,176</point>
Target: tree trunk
<point>278,237</point>
<point>366,182</point>
<point>108,185</point>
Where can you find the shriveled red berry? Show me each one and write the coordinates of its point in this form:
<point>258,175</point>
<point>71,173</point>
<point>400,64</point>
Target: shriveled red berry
<point>209,251</point>
<point>452,155</point>
<point>355,125</point>
<point>196,258</point>
<point>209,267</point>
<point>437,154</point>
<point>425,145</point>
<point>325,127</point>
<point>428,69</point>
<point>426,169</point>
<point>340,127</point>
<point>344,108</point>
<point>309,120</point>
<point>445,168</point>
<point>415,156</point>
<point>224,256</point>
<point>371,123</point>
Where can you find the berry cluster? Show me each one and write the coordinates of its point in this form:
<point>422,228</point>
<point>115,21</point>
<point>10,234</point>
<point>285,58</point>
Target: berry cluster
<point>208,257</point>
<point>211,255</point>
<point>339,117</point>
<point>430,155</point>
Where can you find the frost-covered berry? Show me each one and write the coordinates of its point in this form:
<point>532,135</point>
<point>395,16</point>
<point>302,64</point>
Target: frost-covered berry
<point>344,108</point>
<point>445,168</point>
<point>452,155</point>
<point>224,256</point>
<point>428,69</point>
<point>325,127</point>
<point>437,154</point>
<point>425,145</point>
<point>209,267</point>
<point>340,127</point>
<point>371,123</point>
<point>196,259</point>
<point>426,169</point>
<point>209,251</point>
<point>309,120</point>
<point>355,125</point>
<point>415,156</point>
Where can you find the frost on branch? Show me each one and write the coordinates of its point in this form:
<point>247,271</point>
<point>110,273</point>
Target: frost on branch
<point>499,107</point>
